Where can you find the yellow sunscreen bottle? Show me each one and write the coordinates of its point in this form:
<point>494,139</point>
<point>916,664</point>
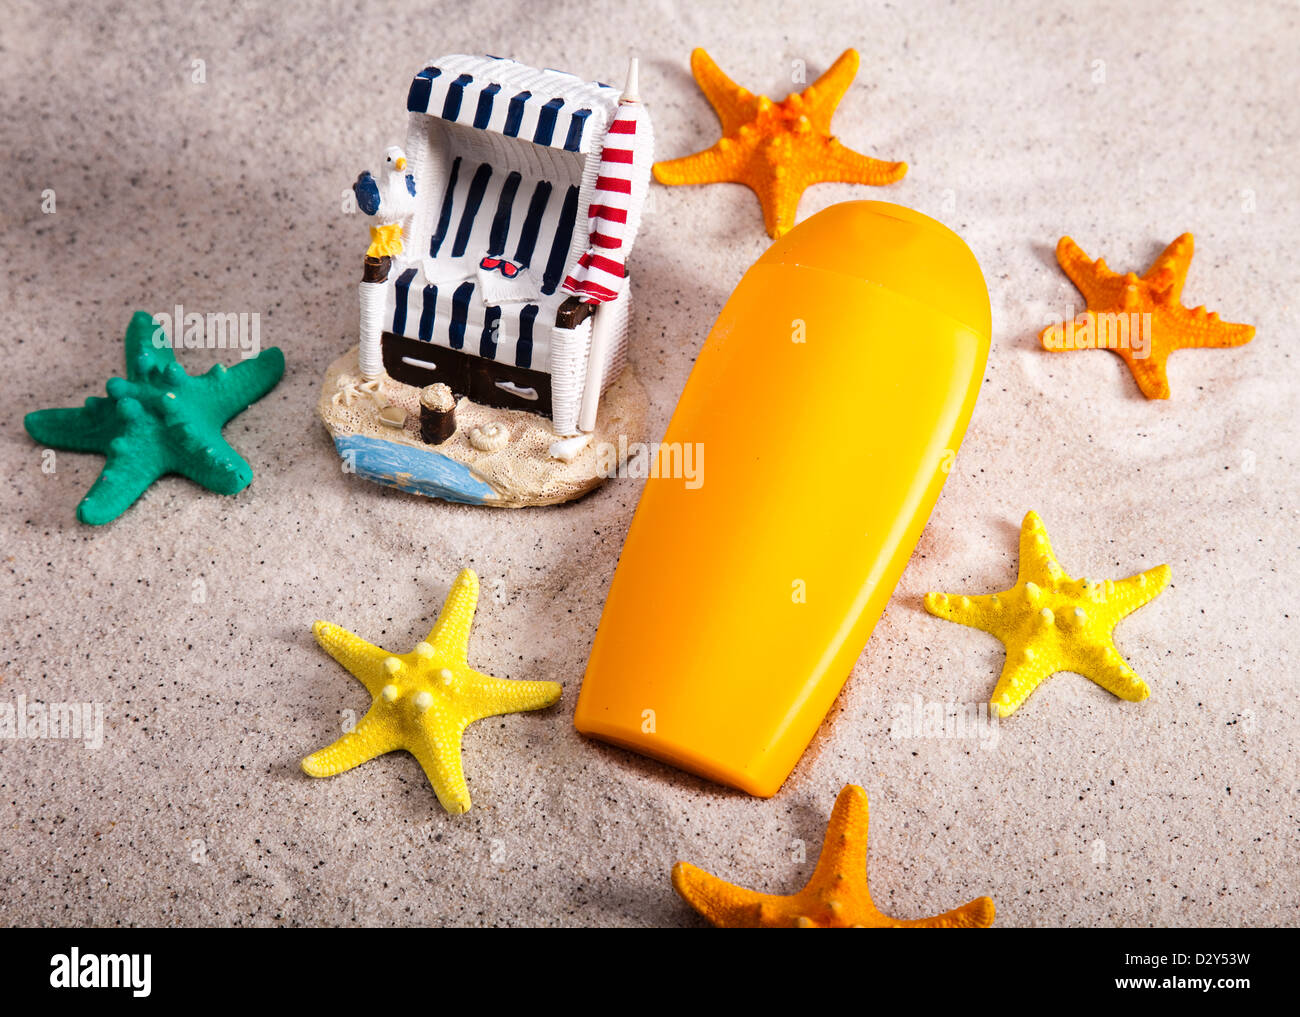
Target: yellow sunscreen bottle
<point>821,419</point>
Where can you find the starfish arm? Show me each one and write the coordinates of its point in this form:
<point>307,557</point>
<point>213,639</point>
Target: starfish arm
<point>1150,373</point>
<point>87,428</point>
<point>211,462</point>
<point>127,474</point>
<point>373,736</point>
<point>485,696</point>
<point>724,905</point>
<point>844,164</point>
<point>1199,329</point>
<point>978,914</point>
<point>364,660</point>
<point>1169,271</point>
<point>148,350</point>
<point>1124,596</point>
<point>711,166</point>
<point>780,200</point>
<point>823,95</point>
<point>231,390</point>
<point>733,104</point>
<point>977,611</point>
<point>1021,674</point>
<point>1082,270</point>
<point>1053,336</point>
<point>844,851</point>
<point>1037,561</point>
<point>450,633</point>
<point>1104,665</point>
<point>437,748</point>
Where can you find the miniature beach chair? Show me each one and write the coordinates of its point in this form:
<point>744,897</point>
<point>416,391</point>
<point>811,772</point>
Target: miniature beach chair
<point>510,286</point>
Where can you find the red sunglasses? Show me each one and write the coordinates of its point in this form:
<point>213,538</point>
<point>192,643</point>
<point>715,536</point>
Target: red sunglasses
<point>507,268</point>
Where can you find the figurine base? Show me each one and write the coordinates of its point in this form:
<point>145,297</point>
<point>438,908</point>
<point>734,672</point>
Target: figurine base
<point>517,474</point>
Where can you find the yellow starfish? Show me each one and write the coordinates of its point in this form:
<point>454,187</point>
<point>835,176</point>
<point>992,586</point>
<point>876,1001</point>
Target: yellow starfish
<point>424,699</point>
<point>776,149</point>
<point>1115,301</point>
<point>1050,622</point>
<point>835,898</point>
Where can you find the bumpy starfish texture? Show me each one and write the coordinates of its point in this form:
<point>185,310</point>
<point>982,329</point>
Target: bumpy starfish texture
<point>1050,622</point>
<point>1157,292</point>
<point>158,420</point>
<point>423,700</point>
<point>835,898</point>
<point>777,149</point>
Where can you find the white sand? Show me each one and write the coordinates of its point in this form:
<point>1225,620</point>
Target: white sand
<point>226,196</point>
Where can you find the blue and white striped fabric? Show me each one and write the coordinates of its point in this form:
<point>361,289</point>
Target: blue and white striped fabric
<point>497,201</point>
<point>546,107</point>
<point>489,210</point>
<point>454,315</point>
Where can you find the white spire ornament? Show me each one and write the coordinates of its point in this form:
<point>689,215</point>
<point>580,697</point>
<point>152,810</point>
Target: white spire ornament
<point>631,90</point>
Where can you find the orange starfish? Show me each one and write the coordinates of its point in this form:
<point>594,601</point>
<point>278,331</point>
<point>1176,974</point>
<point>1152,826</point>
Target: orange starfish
<point>836,897</point>
<point>1141,319</point>
<point>777,149</point>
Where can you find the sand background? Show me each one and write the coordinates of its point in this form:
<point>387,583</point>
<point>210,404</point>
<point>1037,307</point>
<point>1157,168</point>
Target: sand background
<point>1122,124</point>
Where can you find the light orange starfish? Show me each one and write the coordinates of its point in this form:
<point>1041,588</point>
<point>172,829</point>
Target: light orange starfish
<point>1141,319</point>
<point>836,897</point>
<point>777,149</point>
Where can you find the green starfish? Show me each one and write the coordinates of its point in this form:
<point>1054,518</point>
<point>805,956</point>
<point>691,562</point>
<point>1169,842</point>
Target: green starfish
<point>158,420</point>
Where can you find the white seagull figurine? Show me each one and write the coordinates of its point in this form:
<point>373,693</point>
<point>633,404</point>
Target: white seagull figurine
<point>390,200</point>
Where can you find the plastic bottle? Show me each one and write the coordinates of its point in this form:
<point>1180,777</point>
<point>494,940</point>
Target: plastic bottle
<point>823,414</point>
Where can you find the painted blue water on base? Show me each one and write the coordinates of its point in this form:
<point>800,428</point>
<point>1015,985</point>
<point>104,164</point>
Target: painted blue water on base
<point>419,471</point>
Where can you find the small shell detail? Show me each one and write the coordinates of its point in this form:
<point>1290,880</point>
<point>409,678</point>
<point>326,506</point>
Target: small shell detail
<point>489,437</point>
<point>350,389</point>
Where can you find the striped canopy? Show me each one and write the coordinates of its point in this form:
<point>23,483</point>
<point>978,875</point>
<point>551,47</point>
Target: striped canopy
<point>546,107</point>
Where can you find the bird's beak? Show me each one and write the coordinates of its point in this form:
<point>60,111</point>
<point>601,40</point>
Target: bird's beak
<point>400,164</point>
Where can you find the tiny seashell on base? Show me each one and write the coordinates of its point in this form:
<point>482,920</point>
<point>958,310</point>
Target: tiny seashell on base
<point>489,437</point>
